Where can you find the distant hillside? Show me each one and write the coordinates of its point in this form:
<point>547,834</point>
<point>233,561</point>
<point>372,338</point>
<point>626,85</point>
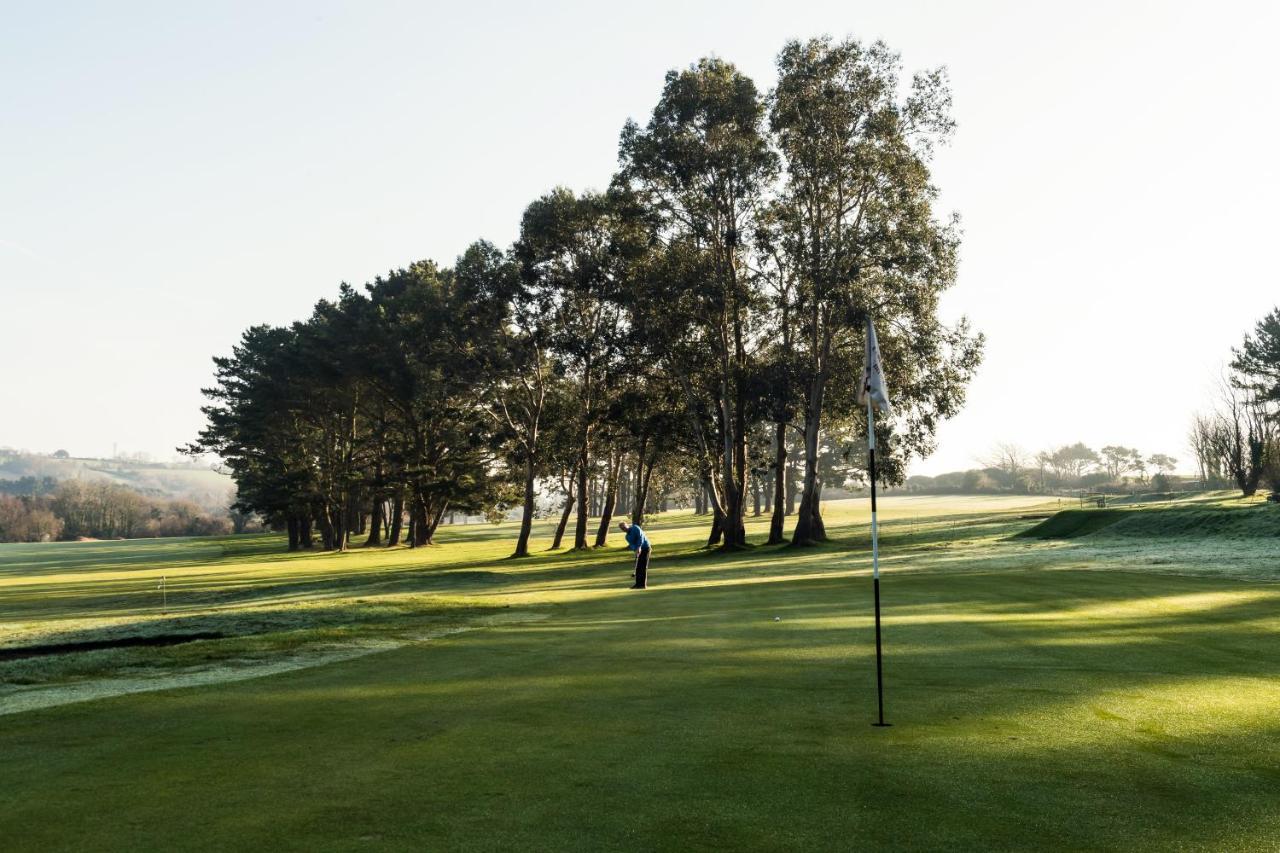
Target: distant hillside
<point>196,483</point>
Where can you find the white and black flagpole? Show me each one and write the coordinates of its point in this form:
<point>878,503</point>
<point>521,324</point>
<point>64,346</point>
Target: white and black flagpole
<point>875,562</point>
<point>876,394</point>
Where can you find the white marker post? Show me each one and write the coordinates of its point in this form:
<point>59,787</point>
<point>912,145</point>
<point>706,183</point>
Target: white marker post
<point>876,396</point>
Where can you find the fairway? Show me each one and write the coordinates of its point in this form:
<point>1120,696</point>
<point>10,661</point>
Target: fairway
<point>522,427</point>
<point>1101,692</point>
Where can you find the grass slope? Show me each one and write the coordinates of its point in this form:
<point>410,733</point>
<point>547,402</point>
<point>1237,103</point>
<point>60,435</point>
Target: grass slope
<point>1249,520</point>
<point>1037,700</point>
<point>1071,523</point>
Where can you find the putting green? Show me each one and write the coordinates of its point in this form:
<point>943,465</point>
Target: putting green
<point>1087,693</point>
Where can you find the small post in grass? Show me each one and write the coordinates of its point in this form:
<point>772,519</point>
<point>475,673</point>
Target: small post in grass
<point>876,395</point>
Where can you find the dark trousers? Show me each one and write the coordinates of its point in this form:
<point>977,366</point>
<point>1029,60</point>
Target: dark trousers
<point>642,568</point>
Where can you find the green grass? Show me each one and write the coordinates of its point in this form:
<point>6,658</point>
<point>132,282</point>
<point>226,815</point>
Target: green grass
<point>1072,523</point>
<point>1208,517</point>
<point>1099,692</point>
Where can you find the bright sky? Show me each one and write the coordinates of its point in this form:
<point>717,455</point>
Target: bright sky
<point>173,173</point>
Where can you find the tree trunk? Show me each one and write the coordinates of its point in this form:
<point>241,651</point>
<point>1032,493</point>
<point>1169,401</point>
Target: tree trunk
<point>564,517</point>
<point>740,454</point>
<point>622,506</point>
<point>755,495</point>
<point>293,532</point>
<point>793,486</point>
<point>430,521</point>
<point>375,524</point>
<point>417,520</point>
<point>397,518</point>
<point>607,503</point>
<point>580,531</point>
<point>819,528</point>
<point>732,508</point>
<point>808,532</point>
<point>717,528</point>
<point>526,516</point>
<point>716,535</point>
<point>305,535</point>
<point>341,531</point>
<point>777,522</point>
<point>327,538</point>
<point>644,471</point>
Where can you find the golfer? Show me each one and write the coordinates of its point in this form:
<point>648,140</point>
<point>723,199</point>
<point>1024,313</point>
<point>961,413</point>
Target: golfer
<point>638,542</point>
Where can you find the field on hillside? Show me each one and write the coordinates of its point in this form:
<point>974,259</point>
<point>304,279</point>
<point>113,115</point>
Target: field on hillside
<point>1102,680</point>
<point>202,485</point>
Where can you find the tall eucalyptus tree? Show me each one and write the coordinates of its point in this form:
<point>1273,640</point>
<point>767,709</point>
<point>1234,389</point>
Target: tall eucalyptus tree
<point>858,203</point>
<point>701,168</point>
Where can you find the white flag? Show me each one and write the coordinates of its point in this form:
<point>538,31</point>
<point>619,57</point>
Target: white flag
<point>873,385</point>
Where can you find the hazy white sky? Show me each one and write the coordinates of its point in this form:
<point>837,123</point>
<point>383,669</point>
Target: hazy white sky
<point>173,173</point>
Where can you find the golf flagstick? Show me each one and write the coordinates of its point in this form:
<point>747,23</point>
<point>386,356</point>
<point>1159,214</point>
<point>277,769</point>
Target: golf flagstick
<point>876,396</point>
<point>875,563</point>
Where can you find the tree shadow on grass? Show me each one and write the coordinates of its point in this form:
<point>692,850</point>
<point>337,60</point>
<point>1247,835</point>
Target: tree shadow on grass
<point>1065,709</point>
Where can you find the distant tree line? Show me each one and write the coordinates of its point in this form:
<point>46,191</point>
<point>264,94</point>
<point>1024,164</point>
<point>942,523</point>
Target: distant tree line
<point>43,510</point>
<point>1010,468</point>
<point>694,332</point>
<point>28,485</point>
<point>1237,439</point>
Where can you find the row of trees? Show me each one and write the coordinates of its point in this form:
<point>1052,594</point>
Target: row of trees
<point>696,328</point>
<point>102,510</point>
<point>1237,440</point>
<point>1010,468</point>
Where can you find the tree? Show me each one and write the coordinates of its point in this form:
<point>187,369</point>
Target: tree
<point>1044,461</point>
<point>1011,464</point>
<point>782,370</point>
<point>678,350</point>
<point>522,370</point>
<point>649,416</point>
<point>1071,462</point>
<point>576,254</point>
<point>560,448</point>
<point>700,167</point>
<point>1202,439</point>
<point>687,323</point>
<point>1163,463</point>
<point>1242,436</point>
<point>436,332</point>
<point>374,395</point>
<point>250,426</point>
<point>1257,362</point>
<point>27,519</point>
<point>858,212</point>
<point>1119,460</point>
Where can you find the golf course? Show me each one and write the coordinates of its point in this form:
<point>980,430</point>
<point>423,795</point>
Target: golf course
<point>1055,677</point>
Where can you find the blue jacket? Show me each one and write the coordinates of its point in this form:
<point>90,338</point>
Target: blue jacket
<point>636,538</point>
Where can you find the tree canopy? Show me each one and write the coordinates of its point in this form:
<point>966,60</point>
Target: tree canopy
<point>685,333</point>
